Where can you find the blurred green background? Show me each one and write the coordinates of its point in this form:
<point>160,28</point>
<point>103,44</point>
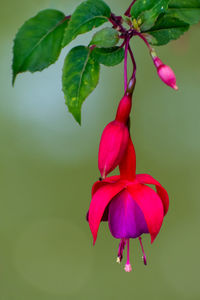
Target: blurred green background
<point>48,165</point>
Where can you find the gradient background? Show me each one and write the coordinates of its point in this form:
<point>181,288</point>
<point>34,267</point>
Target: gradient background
<point>48,165</point>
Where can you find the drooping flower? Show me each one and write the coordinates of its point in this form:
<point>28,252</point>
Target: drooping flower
<point>128,204</point>
<point>115,136</point>
<point>165,73</point>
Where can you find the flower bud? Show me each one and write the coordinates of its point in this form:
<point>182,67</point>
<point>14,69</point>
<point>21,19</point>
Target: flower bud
<point>113,144</point>
<point>114,139</point>
<point>165,73</point>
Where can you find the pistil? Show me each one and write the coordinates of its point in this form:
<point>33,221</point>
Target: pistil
<point>128,267</point>
<point>144,255</point>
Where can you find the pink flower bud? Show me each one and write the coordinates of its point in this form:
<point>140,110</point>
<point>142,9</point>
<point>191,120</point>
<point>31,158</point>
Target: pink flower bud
<point>113,144</point>
<point>114,139</point>
<point>165,73</point>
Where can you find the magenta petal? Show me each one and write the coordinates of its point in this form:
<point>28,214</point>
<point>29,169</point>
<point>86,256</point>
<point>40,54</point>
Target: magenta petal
<point>125,218</point>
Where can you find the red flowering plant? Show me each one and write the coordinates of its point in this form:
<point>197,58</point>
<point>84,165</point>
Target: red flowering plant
<point>130,206</point>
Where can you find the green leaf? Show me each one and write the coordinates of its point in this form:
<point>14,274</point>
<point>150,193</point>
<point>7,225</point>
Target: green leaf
<point>87,15</point>
<point>148,11</point>
<point>167,28</point>
<point>105,38</point>
<point>188,15</point>
<point>79,79</point>
<point>184,4</point>
<point>140,6</point>
<point>108,56</point>
<point>38,42</point>
<point>185,10</point>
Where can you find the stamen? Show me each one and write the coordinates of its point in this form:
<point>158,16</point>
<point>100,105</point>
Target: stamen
<point>122,245</point>
<point>128,267</point>
<point>144,255</point>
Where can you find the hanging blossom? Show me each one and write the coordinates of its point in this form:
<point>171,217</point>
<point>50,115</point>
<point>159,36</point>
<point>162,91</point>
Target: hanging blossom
<point>129,205</point>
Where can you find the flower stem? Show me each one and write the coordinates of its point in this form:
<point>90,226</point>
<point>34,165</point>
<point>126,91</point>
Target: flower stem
<point>128,12</point>
<point>144,39</point>
<point>133,61</point>
<point>125,64</point>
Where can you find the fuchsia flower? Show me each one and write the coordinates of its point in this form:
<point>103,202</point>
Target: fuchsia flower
<point>128,204</point>
<point>114,139</point>
<point>165,73</point>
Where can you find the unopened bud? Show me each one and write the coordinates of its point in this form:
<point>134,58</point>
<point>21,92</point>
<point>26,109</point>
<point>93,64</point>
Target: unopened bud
<point>165,73</point>
<point>113,144</point>
<point>114,139</point>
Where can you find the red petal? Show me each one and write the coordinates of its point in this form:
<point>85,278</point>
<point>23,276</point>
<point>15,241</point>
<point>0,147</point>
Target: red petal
<point>99,202</point>
<point>148,179</point>
<point>98,184</point>
<point>151,206</point>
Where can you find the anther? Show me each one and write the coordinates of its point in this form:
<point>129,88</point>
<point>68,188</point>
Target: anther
<point>122,245</point>
<point>118,260</point>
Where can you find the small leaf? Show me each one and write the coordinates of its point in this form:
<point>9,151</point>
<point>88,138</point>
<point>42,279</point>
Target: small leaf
<point>148,11</point>
<point>80,77</point>
<point>167,28</point>
<point>140,6</point>
<point>185,10</point>
<point>88,15</point>
<point>149,17</point>
<point>105,38</point>
<point>38,42</point>
<point>108,57</point>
